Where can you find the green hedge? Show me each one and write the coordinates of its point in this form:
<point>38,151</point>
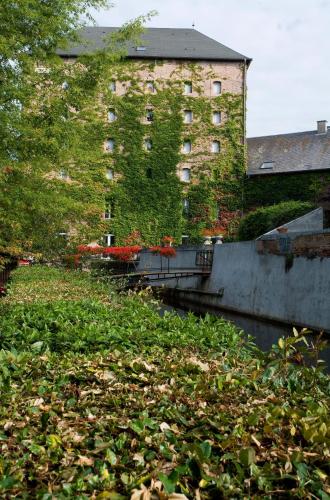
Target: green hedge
<point>265,219</point>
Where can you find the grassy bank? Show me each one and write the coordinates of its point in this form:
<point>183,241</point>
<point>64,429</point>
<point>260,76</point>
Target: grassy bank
<point>103,398</point>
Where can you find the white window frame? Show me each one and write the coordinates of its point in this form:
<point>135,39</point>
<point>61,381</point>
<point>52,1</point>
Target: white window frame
<point>188,88</point>
<point>63,175</point>
<point>215,147</point>
<point>217,87</point>
<point>110,145</point>
<point>185,174</point>
<point>109,174</point>
<point>147,144</point>
<point>109,239</point>
<point>187,147</point>
<point>216,117</point>
<point>151,86</point>
<point>188,116</point>
<point>112,117</point>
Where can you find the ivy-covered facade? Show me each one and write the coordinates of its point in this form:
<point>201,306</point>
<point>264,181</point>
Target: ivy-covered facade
<point>168,136</point>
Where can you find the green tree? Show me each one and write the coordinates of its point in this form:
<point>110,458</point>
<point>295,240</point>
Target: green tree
<point>48,180</point>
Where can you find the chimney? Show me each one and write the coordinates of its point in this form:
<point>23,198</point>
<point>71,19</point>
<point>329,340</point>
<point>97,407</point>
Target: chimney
<point>322,127</point>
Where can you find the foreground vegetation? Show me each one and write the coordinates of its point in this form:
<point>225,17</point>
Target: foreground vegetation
<point>103,398</point>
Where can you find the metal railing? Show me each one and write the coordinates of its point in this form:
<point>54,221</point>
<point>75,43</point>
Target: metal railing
<point>204,258</point>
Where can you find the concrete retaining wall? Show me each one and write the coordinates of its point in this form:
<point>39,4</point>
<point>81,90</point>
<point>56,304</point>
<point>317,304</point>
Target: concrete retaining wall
<point>270,286</point>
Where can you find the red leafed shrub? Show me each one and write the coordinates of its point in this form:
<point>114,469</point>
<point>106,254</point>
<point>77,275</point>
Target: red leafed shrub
<point>123,254</point>
<point>88,249</point>
<point>167,240</point>
<point>164,251</point>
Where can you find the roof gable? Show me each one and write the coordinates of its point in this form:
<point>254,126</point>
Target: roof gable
<point>159,43</point>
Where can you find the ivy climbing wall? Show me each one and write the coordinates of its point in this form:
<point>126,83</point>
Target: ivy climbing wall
<point>135,136</point>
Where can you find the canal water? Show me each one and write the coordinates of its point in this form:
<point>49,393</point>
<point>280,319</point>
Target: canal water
<point>264,333</point>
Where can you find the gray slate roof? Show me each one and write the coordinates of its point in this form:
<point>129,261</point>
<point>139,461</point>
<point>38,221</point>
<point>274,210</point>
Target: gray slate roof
<point>160,43</point>
<point>298,152</point>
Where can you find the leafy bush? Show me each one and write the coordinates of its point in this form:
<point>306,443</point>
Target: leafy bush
<point>101,397</point>
<point>265,219</point>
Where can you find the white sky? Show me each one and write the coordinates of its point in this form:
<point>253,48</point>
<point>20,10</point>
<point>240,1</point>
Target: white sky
<point>289,41</point>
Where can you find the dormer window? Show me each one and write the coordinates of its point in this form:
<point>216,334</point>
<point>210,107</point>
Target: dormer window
<point>216,88</point>
<point>188,88</point>
<point>188,116</point>
<point>140,48</point>
<point>267,165</point>
<point>150,115</point>
<point>112,115</point>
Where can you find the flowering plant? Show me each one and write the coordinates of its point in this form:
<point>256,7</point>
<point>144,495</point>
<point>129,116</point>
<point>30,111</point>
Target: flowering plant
<point>164,251</point>
<point>167,240</point>
<point>90,249</point>
<point>123,254</point>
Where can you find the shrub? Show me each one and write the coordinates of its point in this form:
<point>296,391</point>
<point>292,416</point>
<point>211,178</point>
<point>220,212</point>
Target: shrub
<point>265,219</point>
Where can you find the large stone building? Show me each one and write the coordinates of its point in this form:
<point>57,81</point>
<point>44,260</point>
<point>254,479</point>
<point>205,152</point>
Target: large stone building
<point>175,105</point>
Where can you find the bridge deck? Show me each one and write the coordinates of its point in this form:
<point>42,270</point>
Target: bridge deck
<point>155,275</point>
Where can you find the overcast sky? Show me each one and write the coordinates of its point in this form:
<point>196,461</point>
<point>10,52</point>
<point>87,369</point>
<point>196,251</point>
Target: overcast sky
<point>289,41</point>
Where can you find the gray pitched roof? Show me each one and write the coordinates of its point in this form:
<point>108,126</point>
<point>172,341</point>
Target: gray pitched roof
<point>298,152</point>
<point>160,43</point>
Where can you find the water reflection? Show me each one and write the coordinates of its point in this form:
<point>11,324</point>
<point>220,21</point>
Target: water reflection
<point>265,333</point>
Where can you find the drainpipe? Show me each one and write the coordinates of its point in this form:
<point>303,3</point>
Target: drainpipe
<point>244,123</point>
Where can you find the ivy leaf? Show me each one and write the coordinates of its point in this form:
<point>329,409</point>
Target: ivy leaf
<point>247,456</point>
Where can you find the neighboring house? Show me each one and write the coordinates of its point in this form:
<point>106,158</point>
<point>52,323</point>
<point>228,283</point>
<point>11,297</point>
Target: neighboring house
<point>288,166</point>
<point>174,75</point>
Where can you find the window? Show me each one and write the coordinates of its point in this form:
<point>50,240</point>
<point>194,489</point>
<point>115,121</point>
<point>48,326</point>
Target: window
<point>110,145</point>
<point>111,115</point>
<point>187,147</point>
<point>216,88</point>
<point>185,205</point>
<point>188,116</point>
<point>184,239</point>
<point>215,147</point>
<point>151,86</point>
<point>148,144</point>
<point>112,86</point>
<point>188,88</point>
<point>185,175</point>
<point>109,174</point>
<point>149,173</point>
<point>150,115</point>
<point>108,240</point>
<point>267,165</point>
<point>140,48</point>
<point>63,174</point>
<point>65,85</point>
<point>109,209</point>
<point>216,117</point>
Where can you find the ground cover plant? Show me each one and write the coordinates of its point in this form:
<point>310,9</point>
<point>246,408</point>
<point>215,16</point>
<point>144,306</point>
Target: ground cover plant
<point>101,397</point>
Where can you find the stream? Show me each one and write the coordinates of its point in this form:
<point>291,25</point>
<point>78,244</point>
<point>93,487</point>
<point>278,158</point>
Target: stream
<point>264,333</point>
